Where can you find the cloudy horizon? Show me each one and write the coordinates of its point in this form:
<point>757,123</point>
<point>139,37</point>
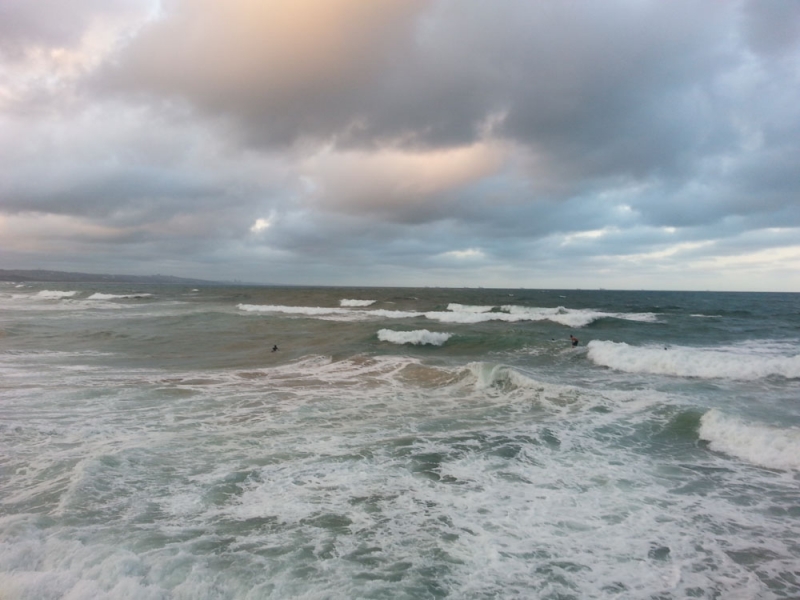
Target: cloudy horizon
<point>629,144</point>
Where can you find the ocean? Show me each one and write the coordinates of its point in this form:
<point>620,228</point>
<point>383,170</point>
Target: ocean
<point>399,444</point>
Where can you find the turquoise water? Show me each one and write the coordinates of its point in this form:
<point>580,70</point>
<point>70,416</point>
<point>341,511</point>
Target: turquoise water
<point>401,443</point>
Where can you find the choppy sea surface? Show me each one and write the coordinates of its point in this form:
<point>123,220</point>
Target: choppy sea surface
<point>400,443</point>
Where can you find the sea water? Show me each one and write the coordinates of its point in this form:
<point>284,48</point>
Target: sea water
<point>400,443</point>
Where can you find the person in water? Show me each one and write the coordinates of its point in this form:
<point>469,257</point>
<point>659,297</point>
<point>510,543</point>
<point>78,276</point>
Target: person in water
<point>574,340</point>
<point>275,348</point>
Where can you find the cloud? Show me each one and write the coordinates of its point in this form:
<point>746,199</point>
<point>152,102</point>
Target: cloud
<point>260,225</point>
<point>27,26</point>
<point>468,254</point>
<point>403,140</point>
<point>281,70</point>
<point>407,185</point>
<point>772,26</point>
<point>567,78</point>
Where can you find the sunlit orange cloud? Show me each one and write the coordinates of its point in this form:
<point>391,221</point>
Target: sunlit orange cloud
<point>384,180</point>
<point>47,69</point>
<point>36,232</point>
<point>209,45</point>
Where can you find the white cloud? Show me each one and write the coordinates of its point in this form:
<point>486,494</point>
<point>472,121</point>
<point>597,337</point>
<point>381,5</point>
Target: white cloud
<point>588,235</point>
<point>468,254</point>
<point>260,225</point>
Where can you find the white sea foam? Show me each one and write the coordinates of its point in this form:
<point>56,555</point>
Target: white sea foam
<point>735,362</point>
<point>288,478</point>
<point>467,317</point>
<point>466,308</point>
<point>327,465</point>
<point>346,302</point>
<point>294,310</point>
<point>458,313</point>
<point>488,375</point>
<point>333,313</point>
<point>771,447</point>
<point>576,317</point>
<point>391,314</point>
<point>99,296</point>
<point>53,295</point>
<point>419,337</point>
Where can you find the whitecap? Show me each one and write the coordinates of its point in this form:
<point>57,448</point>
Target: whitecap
<point>466,308</point>
<point>759,444</point>
<point>355,303</point>
<point>735,362</point>
<point>572,317</point>
<point>421,336</point>
<point>293,310</point>
<point>459,313</point>
<point>53,295</point>
<point>99,296</point>
<point>324,312</point>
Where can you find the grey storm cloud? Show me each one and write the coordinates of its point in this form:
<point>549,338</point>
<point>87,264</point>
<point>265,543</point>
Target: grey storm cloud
<point>772,26</point>
<point>597,91</point>
<point>422,73</point>
<point>438,133</point>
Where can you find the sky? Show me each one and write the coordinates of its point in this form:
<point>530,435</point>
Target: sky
<point>622,144</point>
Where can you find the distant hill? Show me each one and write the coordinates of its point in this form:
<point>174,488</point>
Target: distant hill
<point>42,275</point>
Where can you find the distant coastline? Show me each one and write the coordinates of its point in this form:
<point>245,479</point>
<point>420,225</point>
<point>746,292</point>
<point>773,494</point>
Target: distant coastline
<point>66,276</point>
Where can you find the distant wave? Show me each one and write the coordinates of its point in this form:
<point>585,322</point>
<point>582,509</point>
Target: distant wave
<point>466,308</point>
<point>460,313</point>
<point>329,312</point>
<point>421,336</point>
<point>575,318</point>
<point>346,302</point>
<point>738,363</point>
<point>294,310</point>
<point>53,295</point>
<point>99,296</point>
<point>771,447</point>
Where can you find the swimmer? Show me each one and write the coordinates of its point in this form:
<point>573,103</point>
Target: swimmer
<point>574,340</point>
<point>275,348</point>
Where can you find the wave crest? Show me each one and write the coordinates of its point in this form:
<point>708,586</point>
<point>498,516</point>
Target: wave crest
<point>420,336</point>
<point>703,363</point>
<point>456,313</point>
<point>771,447</point>
<point>466,308</point>
<point>347,302</point>
<point>99,296</point>
<point>53,295</point>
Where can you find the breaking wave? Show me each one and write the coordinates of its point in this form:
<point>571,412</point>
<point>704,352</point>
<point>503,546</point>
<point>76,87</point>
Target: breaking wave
<point>466,308</point>
<point>99,296</point>
<point>346,302</point>
<point>457,313</point>
<point>421,336</point>
<point>759,444</point>
<point>740,363</point>
<point>53,295</point>
<point>294,310</point>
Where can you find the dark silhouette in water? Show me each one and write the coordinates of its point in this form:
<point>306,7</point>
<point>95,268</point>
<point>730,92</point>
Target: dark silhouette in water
<point>275,348</point>
<point>574,340</point>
